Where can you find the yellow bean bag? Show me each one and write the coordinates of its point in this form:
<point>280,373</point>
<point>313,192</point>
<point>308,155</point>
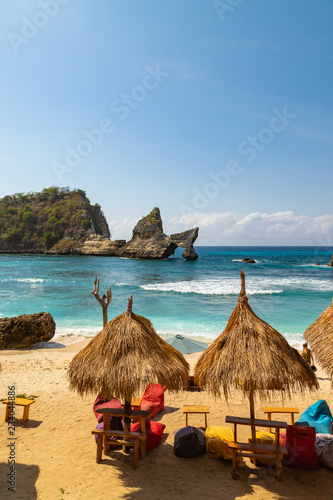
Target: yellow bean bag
<point>216,441</point>
<point>264,437</point>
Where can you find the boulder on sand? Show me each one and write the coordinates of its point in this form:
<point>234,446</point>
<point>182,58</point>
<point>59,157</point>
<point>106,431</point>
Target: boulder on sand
<point>25,330</point>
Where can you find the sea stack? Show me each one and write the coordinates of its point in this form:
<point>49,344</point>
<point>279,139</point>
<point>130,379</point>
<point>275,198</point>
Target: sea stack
<point>150,242</point>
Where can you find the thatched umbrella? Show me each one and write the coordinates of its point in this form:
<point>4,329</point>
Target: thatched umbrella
<point>124,358</point>
<point>251,356</point>
<point>320,337</point>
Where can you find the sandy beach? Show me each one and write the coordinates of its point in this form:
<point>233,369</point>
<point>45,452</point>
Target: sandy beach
<point>55,452</point>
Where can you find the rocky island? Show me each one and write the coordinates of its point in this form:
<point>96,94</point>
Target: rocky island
<point>60,221</point>
<point>148,241</point>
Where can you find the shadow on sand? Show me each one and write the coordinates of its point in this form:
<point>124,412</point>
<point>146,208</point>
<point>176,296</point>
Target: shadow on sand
<point>163,476</point>
<point>23,481</point>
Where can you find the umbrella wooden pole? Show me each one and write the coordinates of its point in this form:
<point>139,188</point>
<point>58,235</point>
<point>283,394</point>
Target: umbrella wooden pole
<point>127,422</point>
<point>253,427</point>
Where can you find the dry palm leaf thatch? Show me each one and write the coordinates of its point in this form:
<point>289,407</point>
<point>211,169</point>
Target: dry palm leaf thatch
<point>124,358</point>
<point>320,337</point>
<point>250,355</point>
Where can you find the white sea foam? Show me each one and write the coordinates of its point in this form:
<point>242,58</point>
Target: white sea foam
<point>304,283</point>
<point>319,266</point>
<point>30,280</point>
<point>226,286</point>
<point>88,331</point>
<point>230,286</point>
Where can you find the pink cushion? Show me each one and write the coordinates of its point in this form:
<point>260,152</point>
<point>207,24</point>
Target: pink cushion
<point>153,399</point>
<point>154,433</point>
<point>103,403</point>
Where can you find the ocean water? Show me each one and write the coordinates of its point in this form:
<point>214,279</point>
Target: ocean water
<point>285,288</point>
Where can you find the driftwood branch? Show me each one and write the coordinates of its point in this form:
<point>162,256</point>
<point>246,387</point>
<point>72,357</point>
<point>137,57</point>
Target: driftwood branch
<point>105,301</point>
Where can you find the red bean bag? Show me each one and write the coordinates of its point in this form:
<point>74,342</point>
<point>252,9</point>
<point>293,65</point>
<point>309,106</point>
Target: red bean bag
<point>104,403</point>
<point>153,399</point>
<point>154,433</point>
<point>300,443</point>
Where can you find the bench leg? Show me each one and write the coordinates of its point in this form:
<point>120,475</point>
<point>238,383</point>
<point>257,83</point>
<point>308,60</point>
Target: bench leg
<point>136,454</point>
<point>205,420</point>
<point>142,447</point>
<point>234,464</point>
<point>106,446</point>
<point>99,448</point>
<point>25,414</point>
<point>142,443</point>
<point>278,467</point>
<point>186,414</point>
<point>292,419</point>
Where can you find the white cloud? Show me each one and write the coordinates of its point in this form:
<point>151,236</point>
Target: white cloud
<point>280,228</point>
<point>122,229</point>
<point>256,228</point>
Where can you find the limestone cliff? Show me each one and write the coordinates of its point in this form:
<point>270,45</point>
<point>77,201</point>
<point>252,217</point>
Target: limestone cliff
<point>331,263</point>
<point>60,221</point>
<point>55,220</point>
<point>186,240</point>
<point>148,241</point>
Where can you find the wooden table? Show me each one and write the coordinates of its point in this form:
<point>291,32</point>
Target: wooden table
<point>254,450</point>
<point>135,403</point>
<point>19,402</point>
<point>279,409</point>
<point>138,439</point>
<point>196,409</point>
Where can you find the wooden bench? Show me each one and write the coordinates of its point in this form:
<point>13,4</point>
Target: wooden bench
<point>137,440</point>
<point>120,435</point>
<point>255,450</point>
<point>196,409</point>
<point>279,409</point>
<point>19,402</point>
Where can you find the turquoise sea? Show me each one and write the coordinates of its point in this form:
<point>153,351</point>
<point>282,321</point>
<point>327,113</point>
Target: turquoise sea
<point>285,288</point>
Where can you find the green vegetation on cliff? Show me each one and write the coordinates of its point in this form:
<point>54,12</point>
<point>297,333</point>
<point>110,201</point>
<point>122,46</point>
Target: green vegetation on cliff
<point>56,220</point>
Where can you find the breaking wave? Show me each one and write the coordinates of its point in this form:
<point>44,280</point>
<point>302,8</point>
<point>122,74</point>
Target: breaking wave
<point>230,286</point>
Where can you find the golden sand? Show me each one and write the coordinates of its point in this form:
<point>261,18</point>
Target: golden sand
<point>55,451</point>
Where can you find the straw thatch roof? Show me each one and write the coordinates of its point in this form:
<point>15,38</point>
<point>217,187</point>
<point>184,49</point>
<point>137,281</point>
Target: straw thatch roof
<point>251,355</point>
<point>124,358</point>
<point>320,337</point>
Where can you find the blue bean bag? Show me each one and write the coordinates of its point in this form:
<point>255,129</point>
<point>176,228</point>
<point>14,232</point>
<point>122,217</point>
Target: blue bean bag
<point>318,416</point>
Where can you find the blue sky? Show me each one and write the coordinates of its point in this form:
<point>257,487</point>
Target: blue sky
<point>219,112</point>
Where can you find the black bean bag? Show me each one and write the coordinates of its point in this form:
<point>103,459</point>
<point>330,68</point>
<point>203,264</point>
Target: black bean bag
<point>189,442</point>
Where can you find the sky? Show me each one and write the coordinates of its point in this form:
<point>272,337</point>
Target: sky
<point>219,112</point>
